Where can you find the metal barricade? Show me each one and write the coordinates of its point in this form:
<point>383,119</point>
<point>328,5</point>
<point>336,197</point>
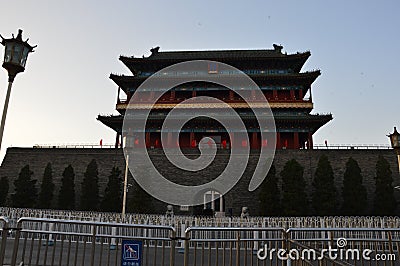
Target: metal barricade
<point>13,214</point>
<point>230,246</point>
<point>3,239</point>
<point>42,241</point>
<point>305,254</point>
<point>372,246</point>
<point>294,246</point>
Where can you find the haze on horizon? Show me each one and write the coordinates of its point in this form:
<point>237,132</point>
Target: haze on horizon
<point>66,85</point>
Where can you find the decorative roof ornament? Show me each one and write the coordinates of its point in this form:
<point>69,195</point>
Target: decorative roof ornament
<point>278,47</point>
<point>154,50</point>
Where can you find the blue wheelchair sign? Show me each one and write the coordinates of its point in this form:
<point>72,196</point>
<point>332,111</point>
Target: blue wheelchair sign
<point>131,253</point>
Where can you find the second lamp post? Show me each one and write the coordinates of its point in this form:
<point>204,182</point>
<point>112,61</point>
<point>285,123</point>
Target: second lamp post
<point>15,57</point>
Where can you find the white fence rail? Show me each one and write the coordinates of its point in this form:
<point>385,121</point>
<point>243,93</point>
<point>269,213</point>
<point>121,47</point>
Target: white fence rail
<point>183,222</point>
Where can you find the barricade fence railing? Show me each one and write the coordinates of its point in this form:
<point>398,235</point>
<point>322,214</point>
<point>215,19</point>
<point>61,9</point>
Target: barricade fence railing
<point>247,246</point>
<point>43,241</point>
<point>353,146</point>
<point>111,145</point>
<point>372,246</point>
<point>230,246</point>
<point>303,251</point>
<point>181,222</point>
<point>74,146</point>
<point>3,237</point>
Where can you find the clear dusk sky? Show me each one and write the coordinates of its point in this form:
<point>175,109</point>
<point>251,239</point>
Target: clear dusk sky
<point>66,85</point>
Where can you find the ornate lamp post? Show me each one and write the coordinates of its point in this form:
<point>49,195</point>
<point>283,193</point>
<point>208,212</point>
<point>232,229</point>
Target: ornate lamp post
<point>15,57</point>
<point>395,142</point>
<point>127,144</point>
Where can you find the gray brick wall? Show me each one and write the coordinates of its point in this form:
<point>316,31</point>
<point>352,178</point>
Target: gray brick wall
<point>239,196</point>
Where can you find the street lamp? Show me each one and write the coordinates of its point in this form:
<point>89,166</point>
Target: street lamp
<point>15,57</point>
<point>127,145</point>
<point>395,143</point>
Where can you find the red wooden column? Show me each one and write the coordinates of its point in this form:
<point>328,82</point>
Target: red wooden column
<point>292,96</point>
<point>275,94</point>
<point>231,95</point>
<point>194,93</point>
<point>296,144</point>
<point>157,142</point>
<point>254,141</point>
<point>278,140</point>
<point>310,141</point>
<point>172,97</point>
<point>301,96</point>
<point>192,141</point>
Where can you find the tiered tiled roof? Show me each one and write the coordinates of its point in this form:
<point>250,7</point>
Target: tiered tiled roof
<point>274,57</point>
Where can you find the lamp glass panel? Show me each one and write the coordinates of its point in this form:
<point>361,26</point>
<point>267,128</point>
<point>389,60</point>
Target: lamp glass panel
<point>16,57</point>
<point>24,56</point>
<point>8,53</point>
